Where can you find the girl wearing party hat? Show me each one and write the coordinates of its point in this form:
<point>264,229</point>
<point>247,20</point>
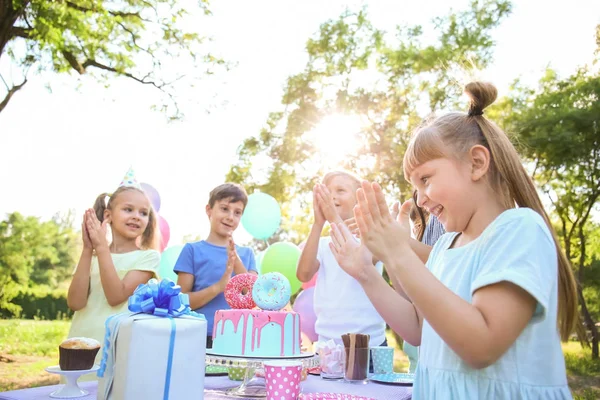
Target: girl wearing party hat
<point>108,273</point>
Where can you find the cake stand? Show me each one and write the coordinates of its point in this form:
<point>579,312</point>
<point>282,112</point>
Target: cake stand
<point>251,386</point>
<point>70,390</point>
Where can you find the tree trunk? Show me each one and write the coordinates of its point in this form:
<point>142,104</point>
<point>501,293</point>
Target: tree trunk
<point>589,322</point>
<point>8,17</point>
<point>582,248</point>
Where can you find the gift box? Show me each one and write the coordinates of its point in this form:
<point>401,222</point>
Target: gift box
<point>154,356</point>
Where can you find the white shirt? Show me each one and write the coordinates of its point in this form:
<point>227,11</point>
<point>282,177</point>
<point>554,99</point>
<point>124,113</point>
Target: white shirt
<point>340,303</point>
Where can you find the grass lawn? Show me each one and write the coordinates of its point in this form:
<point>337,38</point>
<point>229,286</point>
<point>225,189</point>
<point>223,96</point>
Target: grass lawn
<point>583,372</point>
<point>28,346</point>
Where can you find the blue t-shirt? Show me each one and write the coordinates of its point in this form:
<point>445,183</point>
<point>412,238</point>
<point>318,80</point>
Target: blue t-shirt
<point>516,247</point>
<point>207,262</point>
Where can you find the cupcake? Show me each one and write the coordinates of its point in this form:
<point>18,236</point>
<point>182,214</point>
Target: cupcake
<point>77,353</point>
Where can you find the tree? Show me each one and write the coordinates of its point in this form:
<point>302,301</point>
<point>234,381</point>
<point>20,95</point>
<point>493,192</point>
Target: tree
<point>34,252</point>
<point>413,79</point>
<point>138,39</point>
<point>558,126</point>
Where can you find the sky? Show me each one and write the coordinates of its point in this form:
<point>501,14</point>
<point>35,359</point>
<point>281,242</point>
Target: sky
<point>59,149</point>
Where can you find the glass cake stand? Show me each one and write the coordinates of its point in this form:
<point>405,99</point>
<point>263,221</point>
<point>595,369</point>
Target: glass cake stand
<point>251,386</point>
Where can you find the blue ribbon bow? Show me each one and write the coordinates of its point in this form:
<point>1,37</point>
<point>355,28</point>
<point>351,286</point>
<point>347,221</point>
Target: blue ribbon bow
<point>161,298</point>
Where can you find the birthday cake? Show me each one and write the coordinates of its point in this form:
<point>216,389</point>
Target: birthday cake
<point>266,331</point>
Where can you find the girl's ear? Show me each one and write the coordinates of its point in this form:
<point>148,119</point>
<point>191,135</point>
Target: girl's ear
<point>107,216</point>
<point>480,161</point>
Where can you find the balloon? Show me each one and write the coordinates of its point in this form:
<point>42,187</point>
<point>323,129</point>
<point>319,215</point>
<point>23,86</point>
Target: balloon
<point>167,261</point>
<point>262,216</point>
<point>152,194</point>
<point>258,259</point>
<point>165,232</point>
<point>282,257</point>
<point>304,306</point>
<point>311,283</point>
<point>307,344</point>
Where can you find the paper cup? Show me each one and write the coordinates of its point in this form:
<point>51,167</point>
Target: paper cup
<point>282,379</point>
<point>383,359</point>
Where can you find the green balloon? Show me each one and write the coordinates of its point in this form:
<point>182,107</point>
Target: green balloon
<point>262,216</point>
<point>168,259</point>
<point>282,257</point>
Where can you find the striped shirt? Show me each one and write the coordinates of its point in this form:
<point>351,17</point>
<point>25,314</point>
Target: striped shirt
<point>433,231</point>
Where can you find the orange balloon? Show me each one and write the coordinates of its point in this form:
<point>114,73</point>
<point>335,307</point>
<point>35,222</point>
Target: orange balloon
<point>306,345</point>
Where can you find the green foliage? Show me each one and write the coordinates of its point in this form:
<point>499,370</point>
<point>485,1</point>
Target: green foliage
<point>32,338</point>
<point>591,291</point>
<point>558,128</point>
<point>39,302</point>
<point>138,39</point>
<point>410,78</point>
<point>557,125</point>
<point>34,252</point>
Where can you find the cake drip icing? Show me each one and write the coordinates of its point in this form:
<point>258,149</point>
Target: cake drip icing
<point>260,319</point>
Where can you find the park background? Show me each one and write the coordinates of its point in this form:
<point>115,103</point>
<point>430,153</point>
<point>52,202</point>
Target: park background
<point>270,94</point>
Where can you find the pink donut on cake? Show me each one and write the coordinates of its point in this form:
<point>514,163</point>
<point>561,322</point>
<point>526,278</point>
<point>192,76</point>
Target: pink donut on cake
<point>238,292</point>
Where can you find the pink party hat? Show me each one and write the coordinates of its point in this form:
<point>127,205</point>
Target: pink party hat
<point>130,180</point>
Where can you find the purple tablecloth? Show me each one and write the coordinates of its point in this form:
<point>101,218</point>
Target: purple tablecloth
<point>313,384</point>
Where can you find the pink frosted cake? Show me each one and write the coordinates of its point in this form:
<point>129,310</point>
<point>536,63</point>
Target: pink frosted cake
<point>256,333</point>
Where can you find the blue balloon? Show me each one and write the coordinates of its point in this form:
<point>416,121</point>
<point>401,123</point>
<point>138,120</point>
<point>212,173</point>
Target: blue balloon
<point>168,258</point>
<point>262,216</point>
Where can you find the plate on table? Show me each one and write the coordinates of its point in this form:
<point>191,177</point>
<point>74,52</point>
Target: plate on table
<point>331,396</point>
<point>215,370</point>
<point>72,372</point>
<point>302,355</point>
<point>395,378</point>
<point>315,371</point>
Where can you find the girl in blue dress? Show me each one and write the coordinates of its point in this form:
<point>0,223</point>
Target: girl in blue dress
<point>491,301</point>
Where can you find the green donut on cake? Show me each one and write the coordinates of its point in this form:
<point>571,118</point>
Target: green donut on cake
<point>257,332</point>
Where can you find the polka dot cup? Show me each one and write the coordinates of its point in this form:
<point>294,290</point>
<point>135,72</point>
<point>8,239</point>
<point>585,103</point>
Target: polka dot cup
<point>383,359</point>
<point>238,373</point>
<point>282,379</point>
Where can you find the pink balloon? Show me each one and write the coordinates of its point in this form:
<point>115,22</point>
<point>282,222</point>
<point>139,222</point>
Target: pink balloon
<point>304,306</point>
<point>311,283</point>
<point>165,232</point>
<point>152,194</point>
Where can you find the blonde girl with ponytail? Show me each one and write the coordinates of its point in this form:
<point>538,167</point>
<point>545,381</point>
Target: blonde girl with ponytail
<point>492,301</point>
<point>109,272</point>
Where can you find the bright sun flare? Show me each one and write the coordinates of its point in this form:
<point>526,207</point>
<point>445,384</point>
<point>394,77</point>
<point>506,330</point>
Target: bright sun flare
<point>336,137</point>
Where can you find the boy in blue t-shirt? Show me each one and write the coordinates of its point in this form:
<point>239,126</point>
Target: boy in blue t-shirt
<point>205,267</point>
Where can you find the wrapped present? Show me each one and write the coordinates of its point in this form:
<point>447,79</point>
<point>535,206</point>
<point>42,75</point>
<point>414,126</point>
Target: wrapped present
<point>156,352</point>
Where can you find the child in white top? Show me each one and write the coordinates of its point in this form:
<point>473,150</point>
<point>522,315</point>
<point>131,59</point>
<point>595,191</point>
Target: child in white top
<point>497,294</point>
<point>340,304</point>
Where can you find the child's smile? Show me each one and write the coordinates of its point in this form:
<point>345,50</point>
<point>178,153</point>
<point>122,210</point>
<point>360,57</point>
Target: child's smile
<point>225,216</point>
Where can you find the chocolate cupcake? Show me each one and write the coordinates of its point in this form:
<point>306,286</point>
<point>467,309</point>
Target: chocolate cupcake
<point>77,353</point>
